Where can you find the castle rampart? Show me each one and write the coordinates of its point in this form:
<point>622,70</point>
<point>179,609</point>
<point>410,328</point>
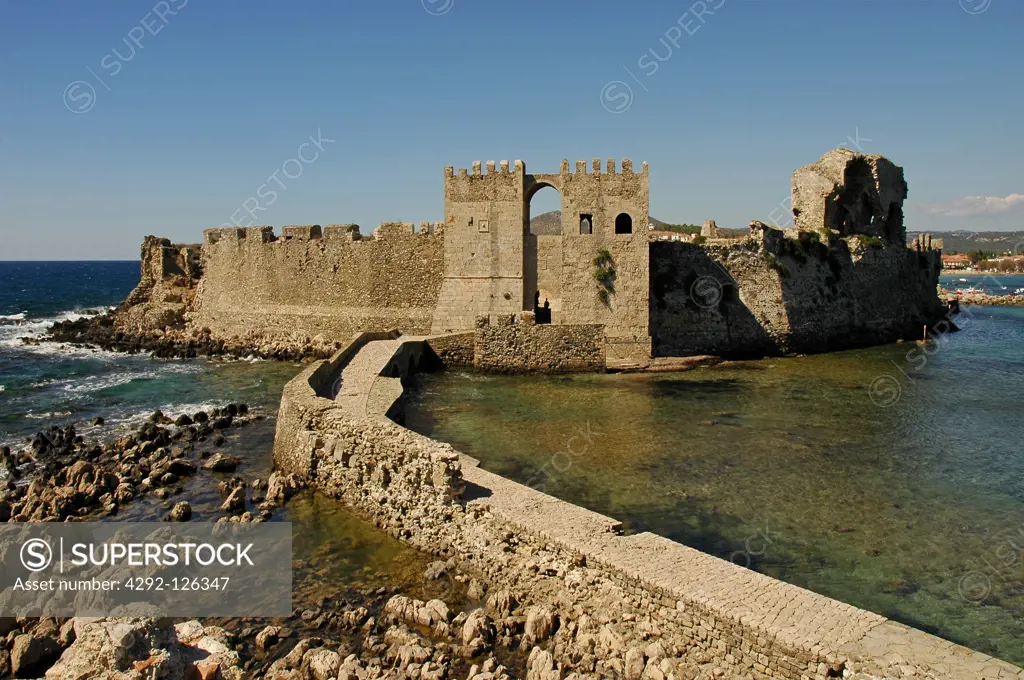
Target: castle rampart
<point>842,278</point>
<point>315,281</point>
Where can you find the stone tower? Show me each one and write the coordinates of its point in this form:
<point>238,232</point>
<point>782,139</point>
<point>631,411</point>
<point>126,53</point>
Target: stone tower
<point>494,265</point>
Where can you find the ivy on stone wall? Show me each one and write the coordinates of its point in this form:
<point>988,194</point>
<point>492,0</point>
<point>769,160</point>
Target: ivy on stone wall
<point>604,274</point>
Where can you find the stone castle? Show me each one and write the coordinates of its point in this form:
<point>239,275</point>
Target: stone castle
<point>611,296</point>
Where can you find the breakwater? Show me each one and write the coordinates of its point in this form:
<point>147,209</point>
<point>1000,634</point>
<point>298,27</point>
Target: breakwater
<point>619,605</point>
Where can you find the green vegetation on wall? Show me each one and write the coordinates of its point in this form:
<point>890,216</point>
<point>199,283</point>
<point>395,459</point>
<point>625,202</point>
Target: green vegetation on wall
<point>604,274</point>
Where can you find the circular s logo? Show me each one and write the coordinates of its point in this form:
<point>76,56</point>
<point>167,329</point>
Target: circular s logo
<point>616,97</point>
<point>36,554</point>
<point>975,6</point>
<point>706,292</point>
<point>79,97</point>
<point>438,7</point>
<point>884,391</point>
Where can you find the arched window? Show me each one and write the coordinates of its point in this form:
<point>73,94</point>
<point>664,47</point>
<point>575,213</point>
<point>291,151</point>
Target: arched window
<point>623,224</point>
<point>586,223</point>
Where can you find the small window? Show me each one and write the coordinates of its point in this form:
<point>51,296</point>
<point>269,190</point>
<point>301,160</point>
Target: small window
<point>484,226</point>
<point>623,224</point>
<point>586,223</point>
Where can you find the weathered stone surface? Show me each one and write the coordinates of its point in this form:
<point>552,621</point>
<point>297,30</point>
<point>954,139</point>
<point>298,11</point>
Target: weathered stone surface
<point>222,462</point>
<point>517,344</point>
<point>181,512</point>
<point>851,193</point>
<point>139,649</point>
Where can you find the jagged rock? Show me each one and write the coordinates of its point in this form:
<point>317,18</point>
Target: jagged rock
<point>137,649</point>
<point>267,638</point>
<point>181,512</point>
<point>634,664</point>
<point>501,603</point>
<point>435,570</point>
<point>281,487</point>
<point>322,663</point>
<point>540,624</point>
<point>477,631</point>
<point>221,462</point>
<point>31,654</point>
<point>541,665</point>
<point>235,500</point>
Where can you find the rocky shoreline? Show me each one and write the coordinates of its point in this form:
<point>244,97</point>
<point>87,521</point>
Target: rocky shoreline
<point>174,342</point>
<point>358,632</point>
<point>982,299</point>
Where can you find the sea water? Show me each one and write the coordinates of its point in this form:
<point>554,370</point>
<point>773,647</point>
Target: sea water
<point>59,384</point>
<point>889,478</point>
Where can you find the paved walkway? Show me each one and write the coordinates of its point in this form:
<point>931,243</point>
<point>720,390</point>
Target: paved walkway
<point>357,378</point>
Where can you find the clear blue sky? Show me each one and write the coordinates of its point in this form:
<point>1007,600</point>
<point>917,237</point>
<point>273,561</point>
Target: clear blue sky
<point>196,110</point>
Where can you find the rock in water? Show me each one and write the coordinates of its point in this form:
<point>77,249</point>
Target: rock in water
<point>222,462</point>
<point>181,512</point>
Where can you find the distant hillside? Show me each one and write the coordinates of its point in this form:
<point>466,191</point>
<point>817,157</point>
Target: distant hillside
<point>551,223</point>
<point>988,241</point>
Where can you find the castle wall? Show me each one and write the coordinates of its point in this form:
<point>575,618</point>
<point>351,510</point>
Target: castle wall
<point>781,296</point>
<point>605,195</point>
<point>484,245</point>
<point>314,281</point>
<point>516,344</point>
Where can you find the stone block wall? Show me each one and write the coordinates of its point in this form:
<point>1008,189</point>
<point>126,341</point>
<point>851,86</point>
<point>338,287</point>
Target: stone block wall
<point>777,293</point>
<point>605,195</point>
<point>484,244</point>
<point>317,282</point>
<point>517,344</point>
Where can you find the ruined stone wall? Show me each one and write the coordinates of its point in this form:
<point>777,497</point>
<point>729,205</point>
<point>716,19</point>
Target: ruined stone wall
<point>169,273</point>
<point>318,282</point>
<point>484,244</point>
<point>517,344</point>
<point>780,294</point>
<point>615,605</point>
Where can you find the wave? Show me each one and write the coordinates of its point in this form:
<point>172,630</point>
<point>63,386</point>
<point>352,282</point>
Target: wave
<point>12,317</point>
<point>43,416</point>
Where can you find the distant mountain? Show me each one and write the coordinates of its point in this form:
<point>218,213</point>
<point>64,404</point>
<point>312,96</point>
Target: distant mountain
<point>988,241</point>
<point>547,223</point>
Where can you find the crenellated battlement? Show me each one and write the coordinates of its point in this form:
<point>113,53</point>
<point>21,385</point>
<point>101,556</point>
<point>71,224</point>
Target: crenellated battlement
<point>581,168</point>
<point>502,168</point>
<point>314,232</point>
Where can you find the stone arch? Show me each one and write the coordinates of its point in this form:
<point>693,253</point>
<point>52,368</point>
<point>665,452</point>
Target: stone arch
<point>623,223</point>
<point>542,252</point>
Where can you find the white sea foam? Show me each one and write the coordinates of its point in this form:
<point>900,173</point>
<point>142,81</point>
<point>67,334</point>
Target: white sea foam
<point>43,416</point>
<point>2,388</point>
<point>18,327</point>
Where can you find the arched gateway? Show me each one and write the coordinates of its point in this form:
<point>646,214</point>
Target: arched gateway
<point>493,265</point>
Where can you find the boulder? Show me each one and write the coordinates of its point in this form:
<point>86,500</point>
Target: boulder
<point>322,663</point>
<point>181,512</point>
<point>32,654</point>
<point>222,462</point>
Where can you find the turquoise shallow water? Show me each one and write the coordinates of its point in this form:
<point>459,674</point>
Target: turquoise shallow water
<point>890,478</point>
